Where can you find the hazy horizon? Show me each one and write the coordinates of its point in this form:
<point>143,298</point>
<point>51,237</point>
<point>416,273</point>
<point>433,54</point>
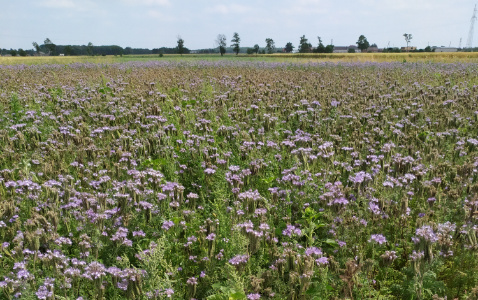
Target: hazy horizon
<point>157,23</point>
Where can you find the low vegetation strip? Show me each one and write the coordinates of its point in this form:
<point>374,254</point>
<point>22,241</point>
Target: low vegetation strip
<point>239,180</point>
<point>423,57</point>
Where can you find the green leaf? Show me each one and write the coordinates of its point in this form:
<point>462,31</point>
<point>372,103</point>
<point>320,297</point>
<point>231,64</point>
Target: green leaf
<point>331,243</point>
<point>312,290</point>
<point>237,295</point>
<point>281,227</point>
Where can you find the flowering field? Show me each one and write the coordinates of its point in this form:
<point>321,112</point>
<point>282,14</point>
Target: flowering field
<point>239,180</point>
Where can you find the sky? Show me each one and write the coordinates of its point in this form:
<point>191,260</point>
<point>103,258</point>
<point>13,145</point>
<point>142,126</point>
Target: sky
<point>158,23</point>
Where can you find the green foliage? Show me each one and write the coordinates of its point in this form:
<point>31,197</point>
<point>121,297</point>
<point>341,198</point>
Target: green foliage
<point>363,43</point>
<point>235,43</point>
<point>180,46</point>
<point>256,48</point>
<point>304,45</point>
<point>270,46</point>
<point>289,47</point>
<point>221,42</point>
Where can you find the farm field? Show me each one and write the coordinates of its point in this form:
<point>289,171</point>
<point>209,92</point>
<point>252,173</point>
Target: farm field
<point>238,179</point>
<point>423,57</point>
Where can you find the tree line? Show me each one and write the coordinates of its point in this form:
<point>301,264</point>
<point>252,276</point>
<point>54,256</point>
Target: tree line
<point>50,48</point>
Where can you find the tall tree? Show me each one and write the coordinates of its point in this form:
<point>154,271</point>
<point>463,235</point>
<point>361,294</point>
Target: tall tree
<point>89,48</point>
<point>320,47</point>
<point>329,49</point>
<point>408,38</point>
<point>256,48</point>
<point>270,45</point>
<point>180,46</point>
<point>37,47</point>
<point>50,46</point>
<point>221,42</point>
<point>289,47</point>
<point>362,43</point>
<point>236,40</point>
<point>304,45</point>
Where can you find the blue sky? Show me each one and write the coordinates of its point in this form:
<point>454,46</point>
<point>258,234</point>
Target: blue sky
<point>157,23</point>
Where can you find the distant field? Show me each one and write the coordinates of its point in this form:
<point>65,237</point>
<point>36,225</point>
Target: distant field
<point>295,57</point>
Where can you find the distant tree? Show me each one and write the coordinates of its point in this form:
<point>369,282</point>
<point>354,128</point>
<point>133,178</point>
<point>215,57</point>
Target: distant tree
<point>37,47</point>
<point>22,52</point>
<point>13,52</point>
<point>320,48</point>
<point>408,38</point>
<point>180,46</point>
<point>289,47</point>
<point>351,50</point>
<point>236,40</point>
<point>128,50</point>
<point>221,42</point>
<point>304,45</point>
<point>68,50</point>
<point>270,45</point>
<point>428,49</point>
<point>50,46</point>
<point>250,51</point>
<point>89,48</point>
<point>362,43</point>
<point>256,48</point>
<point>329,49</point>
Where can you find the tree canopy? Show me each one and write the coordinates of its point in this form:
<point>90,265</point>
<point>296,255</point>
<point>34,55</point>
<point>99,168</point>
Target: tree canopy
<point>180,46</point>
<point>362,43</point>
<point>270,45</point>
<point>304,45</point>
<point>235,43</point>
<point>289,47</point>
<point>221,42</point>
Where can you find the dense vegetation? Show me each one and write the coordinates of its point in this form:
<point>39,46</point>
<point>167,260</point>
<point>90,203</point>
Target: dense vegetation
<point>235,180</point>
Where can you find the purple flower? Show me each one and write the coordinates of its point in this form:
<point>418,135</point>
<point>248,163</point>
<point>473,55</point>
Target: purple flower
<point>192,281</point>
<point>378,238</point>
<point>253,296</point>
<point>239,259</point>
<point>313,251</point>
<point>94,271</point>
<point>322,261</point>
<point>209,171</point>
<point>416,255</point>
<point>169,292</point>
<point>389,255</point>
<point>43,293</point>
<point>427,234</point>
<point>211,237</point>
<point>291,230</point>
<point>167,225</point>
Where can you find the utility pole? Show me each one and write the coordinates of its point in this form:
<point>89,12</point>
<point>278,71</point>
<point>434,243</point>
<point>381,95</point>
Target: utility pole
<point>469,42</point>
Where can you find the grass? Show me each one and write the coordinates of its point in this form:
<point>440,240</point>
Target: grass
<point>278,57</point>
